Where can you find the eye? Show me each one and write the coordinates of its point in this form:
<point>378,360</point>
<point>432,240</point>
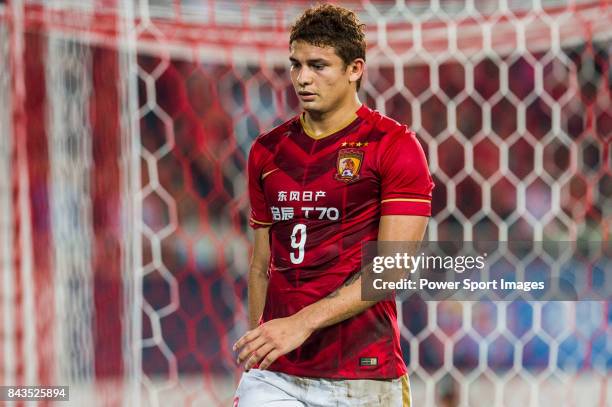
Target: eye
<point>294,65</point>
<point>318,66</point>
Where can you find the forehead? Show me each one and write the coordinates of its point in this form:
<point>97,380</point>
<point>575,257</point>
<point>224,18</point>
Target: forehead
<point>302,50</point>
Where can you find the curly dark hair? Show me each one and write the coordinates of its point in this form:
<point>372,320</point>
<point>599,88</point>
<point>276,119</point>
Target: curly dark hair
<point>332,26</point>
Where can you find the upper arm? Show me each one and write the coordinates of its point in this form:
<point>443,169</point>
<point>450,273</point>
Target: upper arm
<point>406,188</point>
<point>260,214</point>
<point>260,219</point>
<point>402,228</point>
<point>261,250</point>
<point>406,184</point>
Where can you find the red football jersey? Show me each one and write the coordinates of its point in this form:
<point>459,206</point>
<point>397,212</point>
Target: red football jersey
<point>321,199</point>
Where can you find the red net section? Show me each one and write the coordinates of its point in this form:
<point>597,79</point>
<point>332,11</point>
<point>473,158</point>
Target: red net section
<point>25,258</point>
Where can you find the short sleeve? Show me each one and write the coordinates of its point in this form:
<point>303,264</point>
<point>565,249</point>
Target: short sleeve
<point>406,184</point>
<point>260,214</point>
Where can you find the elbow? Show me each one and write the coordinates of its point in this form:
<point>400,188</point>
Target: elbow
<point>258,270</point>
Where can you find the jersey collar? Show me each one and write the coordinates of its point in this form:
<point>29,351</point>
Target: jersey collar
<point>361,112</point>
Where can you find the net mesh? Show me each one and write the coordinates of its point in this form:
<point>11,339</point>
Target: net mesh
<point>138,189</point>
<point>6,207</point>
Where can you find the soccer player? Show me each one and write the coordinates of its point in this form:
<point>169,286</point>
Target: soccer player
<point>335,176</point>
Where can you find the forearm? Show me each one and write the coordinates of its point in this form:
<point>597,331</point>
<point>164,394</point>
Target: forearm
<point>258,286</point>
<point>346,301</point>
<point>276,337</point>
<point>342,304</point>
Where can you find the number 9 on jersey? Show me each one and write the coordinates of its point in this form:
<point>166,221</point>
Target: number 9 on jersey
<point>298,241</point>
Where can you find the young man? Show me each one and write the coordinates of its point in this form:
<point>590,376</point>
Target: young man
<point>320,184</point>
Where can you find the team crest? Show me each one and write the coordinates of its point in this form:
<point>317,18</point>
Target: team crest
<point>348,164</point>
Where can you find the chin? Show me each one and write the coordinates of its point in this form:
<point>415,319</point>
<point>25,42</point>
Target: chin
<point>310,107</point>
<point>317,106</point>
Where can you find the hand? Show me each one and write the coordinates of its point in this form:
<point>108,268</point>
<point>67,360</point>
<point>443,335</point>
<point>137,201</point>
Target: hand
<point>270,341</point>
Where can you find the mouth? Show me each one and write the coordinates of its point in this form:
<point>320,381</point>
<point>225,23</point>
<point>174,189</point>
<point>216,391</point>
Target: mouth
<point>306,95</point>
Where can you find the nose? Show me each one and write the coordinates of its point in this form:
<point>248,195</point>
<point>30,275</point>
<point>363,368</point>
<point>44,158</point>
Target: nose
<point>304,77</point>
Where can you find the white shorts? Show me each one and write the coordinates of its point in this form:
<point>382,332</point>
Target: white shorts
<point>263,388</point>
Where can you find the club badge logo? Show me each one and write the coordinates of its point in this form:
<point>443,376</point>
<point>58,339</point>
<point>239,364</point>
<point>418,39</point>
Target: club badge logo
<point>348,164</point>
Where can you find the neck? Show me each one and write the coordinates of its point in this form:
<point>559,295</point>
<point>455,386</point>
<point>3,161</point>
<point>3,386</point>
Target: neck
<point>322,124</point>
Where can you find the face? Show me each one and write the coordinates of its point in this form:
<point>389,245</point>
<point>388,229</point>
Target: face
<point>320,78</point>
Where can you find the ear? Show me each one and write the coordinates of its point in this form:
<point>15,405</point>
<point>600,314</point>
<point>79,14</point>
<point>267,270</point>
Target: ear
<point>356,69</point>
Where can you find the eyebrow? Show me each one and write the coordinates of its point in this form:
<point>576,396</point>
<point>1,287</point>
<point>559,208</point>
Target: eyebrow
<point>311,61</point>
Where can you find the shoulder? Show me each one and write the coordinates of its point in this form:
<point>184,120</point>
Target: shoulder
<point>265,145</point>
<point>384,123</point>
<point>270,139</point>
<point>384,128</point>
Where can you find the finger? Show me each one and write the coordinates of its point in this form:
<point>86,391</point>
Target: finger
<point>258,355</point>
<point>249,348</point>
<point>269,359</point>
<point>247,337</point>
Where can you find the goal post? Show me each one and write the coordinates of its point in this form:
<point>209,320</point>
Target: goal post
<point>70,204</point>
<point>124,133</point>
